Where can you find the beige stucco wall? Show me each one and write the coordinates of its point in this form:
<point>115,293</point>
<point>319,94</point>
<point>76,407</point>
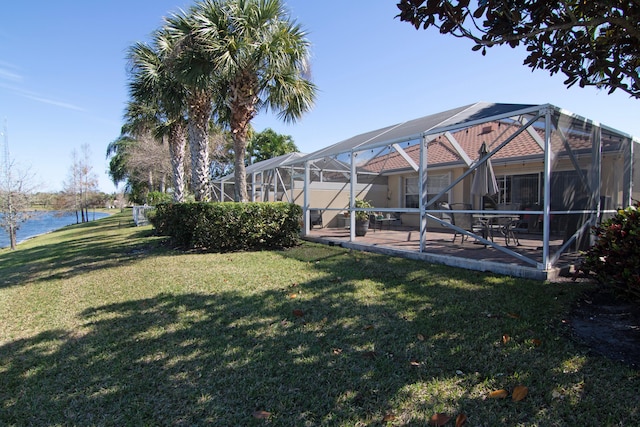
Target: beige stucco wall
<point>333,199</point>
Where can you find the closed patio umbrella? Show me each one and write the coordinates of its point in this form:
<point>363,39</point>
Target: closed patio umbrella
<point>484,180</point>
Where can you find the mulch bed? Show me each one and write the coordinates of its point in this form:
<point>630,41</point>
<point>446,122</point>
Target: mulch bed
<point>609,325</point>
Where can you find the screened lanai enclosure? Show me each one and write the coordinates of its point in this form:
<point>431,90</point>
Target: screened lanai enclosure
<point>508,188</point>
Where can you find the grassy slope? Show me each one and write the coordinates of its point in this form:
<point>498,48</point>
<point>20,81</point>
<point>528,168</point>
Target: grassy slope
<point>102,325</point>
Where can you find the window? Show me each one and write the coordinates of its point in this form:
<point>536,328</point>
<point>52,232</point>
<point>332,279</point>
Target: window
<point>520,190</point>
<point>435,184</point>
<point>411,193</point>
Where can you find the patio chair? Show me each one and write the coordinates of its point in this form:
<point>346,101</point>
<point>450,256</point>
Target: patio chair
<point>505,227</point>
<point>463,220</point>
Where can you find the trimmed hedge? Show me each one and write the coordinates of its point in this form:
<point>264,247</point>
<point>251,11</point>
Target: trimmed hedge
<point>223,227</point>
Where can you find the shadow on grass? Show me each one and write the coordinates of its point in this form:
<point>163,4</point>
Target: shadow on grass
<point>100,244</point>
<point>417,340</point>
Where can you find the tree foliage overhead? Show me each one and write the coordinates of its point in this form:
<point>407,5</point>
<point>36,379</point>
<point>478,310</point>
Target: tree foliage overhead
<point>593,42</point>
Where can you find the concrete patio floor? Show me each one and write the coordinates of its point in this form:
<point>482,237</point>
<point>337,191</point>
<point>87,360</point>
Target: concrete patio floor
<point>440,249</point>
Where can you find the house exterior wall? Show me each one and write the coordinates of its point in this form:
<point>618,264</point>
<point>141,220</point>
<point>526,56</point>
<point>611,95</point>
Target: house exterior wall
<point>333,199</point>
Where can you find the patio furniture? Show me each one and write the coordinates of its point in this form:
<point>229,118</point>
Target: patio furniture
<point>380,220</point>
<point>499,224</point>
<point>463,220</point>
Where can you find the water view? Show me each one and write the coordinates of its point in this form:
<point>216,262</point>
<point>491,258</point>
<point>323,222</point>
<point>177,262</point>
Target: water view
<point>44,222</point>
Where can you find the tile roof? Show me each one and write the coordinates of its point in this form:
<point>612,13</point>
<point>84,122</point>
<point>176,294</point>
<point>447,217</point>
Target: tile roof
<point>441,152</point>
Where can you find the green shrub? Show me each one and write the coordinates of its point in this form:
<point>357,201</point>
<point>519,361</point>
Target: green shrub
<point>157,197</point>
<point>614,260</point>
<point>222,227</point>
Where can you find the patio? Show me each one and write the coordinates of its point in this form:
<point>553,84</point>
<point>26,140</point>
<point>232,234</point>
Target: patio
<point>440,247</point>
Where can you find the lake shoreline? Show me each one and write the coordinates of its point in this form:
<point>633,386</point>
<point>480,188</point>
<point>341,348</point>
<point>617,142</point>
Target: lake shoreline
<point>46,222</point>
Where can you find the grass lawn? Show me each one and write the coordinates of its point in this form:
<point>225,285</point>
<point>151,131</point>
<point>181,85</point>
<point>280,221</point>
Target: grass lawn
<point>100,324</point>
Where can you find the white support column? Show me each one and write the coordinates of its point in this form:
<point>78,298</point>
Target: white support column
<point>276,176</point>
<point>596,180</point>
<point>422,183</point>
<point>293,183</point>
<point>253,187</point>
<point>547,189</point>
<point>353,179</point>
<point>261,187</point>
<point>305,196</point>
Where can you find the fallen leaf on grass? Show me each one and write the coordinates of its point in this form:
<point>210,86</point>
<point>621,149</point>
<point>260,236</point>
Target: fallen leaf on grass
<point>536,342</point>
<point>337,351</point>
<point>293,296</point>
<point>506,338</point>
<point>388,417</point>
<point>298,313</point>
<point>261,415</point>
<point>519,393</point>
<point>420,337</point>
<point>461,419</point>
<point>439,419</point>
<point>499,394</point>
<point>513,315</point>
<point>414,363</point>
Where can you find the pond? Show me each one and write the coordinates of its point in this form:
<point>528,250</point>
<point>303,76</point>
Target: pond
<point>45,222</point>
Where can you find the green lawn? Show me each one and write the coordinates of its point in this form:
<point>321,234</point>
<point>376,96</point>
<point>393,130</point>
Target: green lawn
<point>101,324</point>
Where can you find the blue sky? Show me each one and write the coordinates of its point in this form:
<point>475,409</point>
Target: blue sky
<point>63,77</point>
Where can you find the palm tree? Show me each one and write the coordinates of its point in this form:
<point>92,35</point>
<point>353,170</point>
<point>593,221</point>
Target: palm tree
<point>156,91</point>
<point>191,65</point>
<point>259,61</point>
<point>117,154</point>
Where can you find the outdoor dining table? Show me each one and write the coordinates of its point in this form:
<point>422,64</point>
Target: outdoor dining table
<point>501,223</point>
<point>382,220</point>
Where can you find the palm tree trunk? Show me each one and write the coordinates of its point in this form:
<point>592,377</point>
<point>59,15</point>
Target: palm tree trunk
<point>243,102</point>
<point>177,149</point>
<point>240,173</point>
<point>199,115</point>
